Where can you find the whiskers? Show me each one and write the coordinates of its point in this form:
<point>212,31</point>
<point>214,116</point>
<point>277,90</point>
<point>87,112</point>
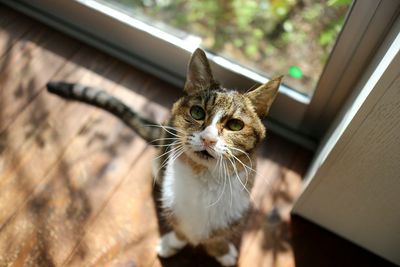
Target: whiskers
<point>169,129</point>
<point>222,173</point>
<point>232,170</point>
<point>173,146</point>
<point>228,166</point>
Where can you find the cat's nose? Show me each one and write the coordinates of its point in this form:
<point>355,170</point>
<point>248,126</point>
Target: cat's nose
<point>208,139</point>
<point>209,136</point>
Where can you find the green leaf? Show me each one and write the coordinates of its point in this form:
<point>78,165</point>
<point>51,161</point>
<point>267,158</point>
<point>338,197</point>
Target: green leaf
<point>326,38</point>
<point>281,11</point>
<point>313,12</point>
<point>251,50</point>
<point>258,34</point>
<point>288,26</point>
<point>238,42</point>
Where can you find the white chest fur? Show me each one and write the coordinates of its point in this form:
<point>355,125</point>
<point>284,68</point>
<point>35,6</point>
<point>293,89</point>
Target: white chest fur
<point>202,203</point>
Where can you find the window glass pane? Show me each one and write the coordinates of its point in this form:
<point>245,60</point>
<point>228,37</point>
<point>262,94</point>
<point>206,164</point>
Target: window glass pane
<point>271,37</point>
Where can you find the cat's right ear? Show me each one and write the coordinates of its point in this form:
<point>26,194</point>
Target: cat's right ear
<point>199,76</point>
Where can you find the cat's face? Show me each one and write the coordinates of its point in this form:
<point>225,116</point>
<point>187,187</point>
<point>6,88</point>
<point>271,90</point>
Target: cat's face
<point>213,122</point>
<point>217,123</point>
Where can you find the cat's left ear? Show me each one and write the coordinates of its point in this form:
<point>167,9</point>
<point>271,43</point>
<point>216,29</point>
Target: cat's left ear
<point>199,76</point>
<point>263,96</point>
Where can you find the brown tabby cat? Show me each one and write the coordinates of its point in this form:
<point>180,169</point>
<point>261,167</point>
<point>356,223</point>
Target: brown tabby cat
<point>206,164</point>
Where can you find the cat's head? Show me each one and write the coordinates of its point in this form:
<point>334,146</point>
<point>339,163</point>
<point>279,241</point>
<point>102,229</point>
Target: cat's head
<point>214,122</point>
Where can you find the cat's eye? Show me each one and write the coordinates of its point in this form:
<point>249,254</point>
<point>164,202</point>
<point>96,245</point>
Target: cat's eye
<point>197,113</point>
<point>235,125</point>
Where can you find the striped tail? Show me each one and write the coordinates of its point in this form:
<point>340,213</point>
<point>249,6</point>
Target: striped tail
<point>103,100</point>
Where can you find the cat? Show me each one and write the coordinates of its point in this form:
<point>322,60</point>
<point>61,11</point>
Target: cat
<point>206,166</point>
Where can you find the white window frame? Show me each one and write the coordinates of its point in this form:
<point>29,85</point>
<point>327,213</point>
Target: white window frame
<point>301,118</point>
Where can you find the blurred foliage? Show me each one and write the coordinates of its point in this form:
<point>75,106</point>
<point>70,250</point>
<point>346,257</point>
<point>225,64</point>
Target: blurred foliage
<point>268,35</point>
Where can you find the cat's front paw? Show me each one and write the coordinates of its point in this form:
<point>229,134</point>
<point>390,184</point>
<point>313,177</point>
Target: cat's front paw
<point>165,251</point>
<point>169,245</point>
<point>230,258</point>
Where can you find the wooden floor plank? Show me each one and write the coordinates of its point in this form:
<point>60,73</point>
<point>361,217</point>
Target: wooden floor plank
<point>316,246</point>
<point>83,178</point>
<point>44,106</point>
<point>44,135</point>
<point>278,236</point>
<point>12,28</point>
<point>26,68</point>
<point>63,128</point>
<point>258,244</point>
<point>30,127</point>
<point>114,232</point>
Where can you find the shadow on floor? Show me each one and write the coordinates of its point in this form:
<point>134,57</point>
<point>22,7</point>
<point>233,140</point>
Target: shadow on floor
<point>315,246</point>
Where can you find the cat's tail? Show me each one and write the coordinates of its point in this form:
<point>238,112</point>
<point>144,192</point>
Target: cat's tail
<point>103,100</point>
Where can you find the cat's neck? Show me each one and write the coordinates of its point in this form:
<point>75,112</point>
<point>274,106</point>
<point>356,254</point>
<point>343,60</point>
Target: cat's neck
<point>196,167</point>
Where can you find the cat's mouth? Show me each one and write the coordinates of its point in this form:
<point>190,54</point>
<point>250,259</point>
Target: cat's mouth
<point>204,154</point>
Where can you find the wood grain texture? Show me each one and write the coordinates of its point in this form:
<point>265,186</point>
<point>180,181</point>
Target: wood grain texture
<point>12,27</point>
<point>354,184</point>
<point>360,188</point>
<point>75,183</point>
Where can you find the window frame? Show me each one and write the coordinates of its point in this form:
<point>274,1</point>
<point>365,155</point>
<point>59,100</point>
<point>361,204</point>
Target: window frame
<point>367,25</point>
<point>300,118</point>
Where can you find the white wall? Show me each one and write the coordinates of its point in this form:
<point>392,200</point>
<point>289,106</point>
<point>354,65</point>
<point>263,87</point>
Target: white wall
<point>353,185</point>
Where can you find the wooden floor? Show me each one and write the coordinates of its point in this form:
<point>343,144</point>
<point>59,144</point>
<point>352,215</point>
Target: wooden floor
<point>75,183</point>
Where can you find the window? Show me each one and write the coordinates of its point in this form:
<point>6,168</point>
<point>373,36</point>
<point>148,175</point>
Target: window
<point>287,37</point>
<point>151,47</point>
